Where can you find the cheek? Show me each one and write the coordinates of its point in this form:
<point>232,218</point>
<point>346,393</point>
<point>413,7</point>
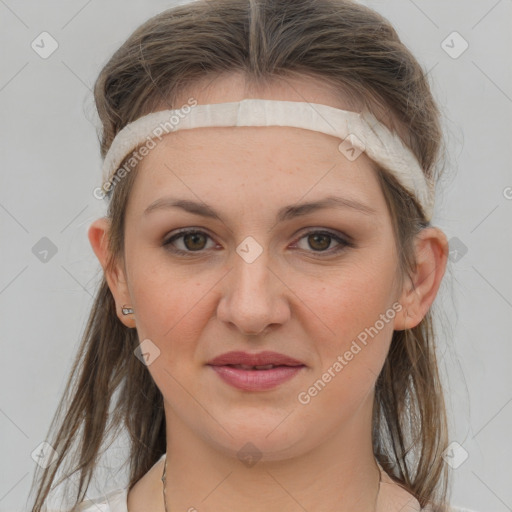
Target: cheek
<point>356,313</point>
<point>171,306</point>
<point>349,360</point>
<point>354,298</point>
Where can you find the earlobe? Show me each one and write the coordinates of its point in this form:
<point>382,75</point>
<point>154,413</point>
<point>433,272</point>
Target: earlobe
<point>431,250</point>
<point>98,235</point>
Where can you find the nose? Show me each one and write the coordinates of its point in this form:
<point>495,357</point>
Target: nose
<point>253,297</point>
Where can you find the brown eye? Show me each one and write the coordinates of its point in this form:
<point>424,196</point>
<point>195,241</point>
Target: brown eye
<point>319,241</point>
<point>190,241</point>
<point>194,241</point>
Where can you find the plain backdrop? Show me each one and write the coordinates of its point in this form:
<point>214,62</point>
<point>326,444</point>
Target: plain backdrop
<point>50,164</point>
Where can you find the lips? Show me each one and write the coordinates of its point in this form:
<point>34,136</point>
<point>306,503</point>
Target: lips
<point>260,361</point>
<point>255,372</point>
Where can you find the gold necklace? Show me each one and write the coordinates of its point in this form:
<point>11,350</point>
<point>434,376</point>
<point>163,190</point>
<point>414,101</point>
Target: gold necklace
<point>164,482</point>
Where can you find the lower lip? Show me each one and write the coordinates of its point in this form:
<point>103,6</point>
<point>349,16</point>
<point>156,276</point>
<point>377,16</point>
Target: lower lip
<point>256,380</point>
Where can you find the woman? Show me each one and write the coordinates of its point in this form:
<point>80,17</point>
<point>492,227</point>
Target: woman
<point>264,326</point>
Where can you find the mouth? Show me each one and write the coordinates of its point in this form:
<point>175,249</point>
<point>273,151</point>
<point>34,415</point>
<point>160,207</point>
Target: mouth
<point>260,367</point>
<point>260,360</point>
<point>255,372</point>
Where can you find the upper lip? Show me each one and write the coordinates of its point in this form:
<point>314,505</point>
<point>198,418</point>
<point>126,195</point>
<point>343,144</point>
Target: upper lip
<point>259,359</point>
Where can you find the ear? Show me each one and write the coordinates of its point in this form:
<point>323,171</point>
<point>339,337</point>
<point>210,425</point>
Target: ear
<point>431,249</point>
<point>114,274</point>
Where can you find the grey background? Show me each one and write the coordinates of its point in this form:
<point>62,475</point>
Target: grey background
<point>51,164</point>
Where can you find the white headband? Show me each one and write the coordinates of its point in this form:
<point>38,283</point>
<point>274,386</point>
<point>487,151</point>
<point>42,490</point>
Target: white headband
<point>358,131</point>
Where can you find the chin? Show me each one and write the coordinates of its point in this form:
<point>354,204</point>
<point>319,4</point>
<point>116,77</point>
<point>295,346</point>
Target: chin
<point>265,437</point>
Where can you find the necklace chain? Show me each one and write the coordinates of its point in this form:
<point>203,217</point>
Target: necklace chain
<point>165,482</point>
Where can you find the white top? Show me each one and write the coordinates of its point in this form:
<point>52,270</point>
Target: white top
<point>117,500</point>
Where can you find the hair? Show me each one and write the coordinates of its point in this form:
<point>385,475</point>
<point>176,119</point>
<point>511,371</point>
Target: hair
<point>359,54</point>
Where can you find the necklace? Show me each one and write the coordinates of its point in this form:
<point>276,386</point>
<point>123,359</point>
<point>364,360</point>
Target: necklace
<point>164,482</point>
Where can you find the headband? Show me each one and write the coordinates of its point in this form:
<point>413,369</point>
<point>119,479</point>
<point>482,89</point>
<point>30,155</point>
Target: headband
<point>359,132</point>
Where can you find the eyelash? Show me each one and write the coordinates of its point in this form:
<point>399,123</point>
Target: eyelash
<point>344,243</point>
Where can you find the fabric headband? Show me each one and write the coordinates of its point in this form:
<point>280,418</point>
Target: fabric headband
<point>359,132</point>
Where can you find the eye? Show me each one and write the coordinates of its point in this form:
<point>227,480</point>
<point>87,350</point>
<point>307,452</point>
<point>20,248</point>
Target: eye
<point>320,241</point>
<point>194,241</point>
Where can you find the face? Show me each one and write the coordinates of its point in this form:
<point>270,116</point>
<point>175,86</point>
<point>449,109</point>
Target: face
<point>317,285</point>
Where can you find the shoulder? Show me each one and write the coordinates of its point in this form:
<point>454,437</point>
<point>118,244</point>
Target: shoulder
<point>113,501</point>
<point>117,500</point>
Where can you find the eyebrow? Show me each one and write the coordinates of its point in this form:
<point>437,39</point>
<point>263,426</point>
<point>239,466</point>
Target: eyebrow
<point>285,213</point>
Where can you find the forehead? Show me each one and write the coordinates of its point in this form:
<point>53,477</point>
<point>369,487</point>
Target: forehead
<point>253,167</point>
<point>262,163</point>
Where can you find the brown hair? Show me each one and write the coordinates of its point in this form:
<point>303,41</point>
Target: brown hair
<point>355,50</point>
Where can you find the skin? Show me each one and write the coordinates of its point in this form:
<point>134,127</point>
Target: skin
<point>298,297</point>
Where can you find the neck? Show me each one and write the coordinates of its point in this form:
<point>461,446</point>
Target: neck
<point>341,474</point>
